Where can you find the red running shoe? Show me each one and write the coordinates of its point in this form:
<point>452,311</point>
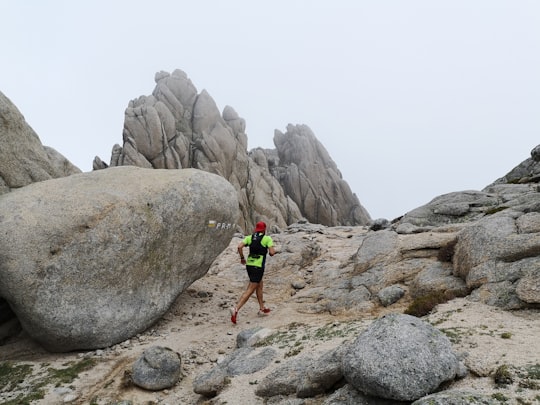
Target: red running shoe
<point>264,311</point>
<point>234,315</point>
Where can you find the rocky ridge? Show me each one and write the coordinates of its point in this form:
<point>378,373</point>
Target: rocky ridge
<point>177,127</point>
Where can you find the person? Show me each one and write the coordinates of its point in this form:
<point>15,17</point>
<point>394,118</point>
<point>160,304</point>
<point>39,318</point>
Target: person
<point>260,245</point>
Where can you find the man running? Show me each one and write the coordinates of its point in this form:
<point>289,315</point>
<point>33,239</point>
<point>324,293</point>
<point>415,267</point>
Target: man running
<point>259,245</point>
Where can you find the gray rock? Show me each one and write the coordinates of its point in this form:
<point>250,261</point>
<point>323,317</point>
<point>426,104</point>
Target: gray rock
<point>390,295</point>
<point>437,278</point>
<point>456,397</point>
<point>211,382</point>
<point>92,259</point>
<point>283,400</point>
<point>250,337</point>
<point>248,360</point>
<point>378,224</point>
<point>535,153</point>
<point>23,159</point>
<point>347,395</point>
<point>526,171</point>
<point>245,360</point>
<point>377,248</point>
<point>399,357</point>
<point>453,207</point>
<point>493,256</point>
<point>322,373</point>
<point>306,376</point>
<point>528,287</point>
<point>157,368</point>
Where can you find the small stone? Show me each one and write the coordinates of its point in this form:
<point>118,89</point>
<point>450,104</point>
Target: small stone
<point>70,398</point>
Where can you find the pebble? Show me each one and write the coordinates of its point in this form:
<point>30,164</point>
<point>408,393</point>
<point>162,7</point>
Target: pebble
<point>70,398</point>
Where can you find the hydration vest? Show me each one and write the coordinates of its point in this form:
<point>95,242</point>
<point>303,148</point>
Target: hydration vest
<point>255,247</point>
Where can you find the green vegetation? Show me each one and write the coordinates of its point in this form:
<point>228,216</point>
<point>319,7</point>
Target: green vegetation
<point>296,335</point>
<point>454,334</point>
<point>19,379</point>
<point>12,378</point>
<point>12,375</point>
<point>503,376</point>
<point>506,335</point>
<point>529,373</point>
<point>533,371</point>
<point>68,374</point>
<point>494,210</point>
<point>499,397</point>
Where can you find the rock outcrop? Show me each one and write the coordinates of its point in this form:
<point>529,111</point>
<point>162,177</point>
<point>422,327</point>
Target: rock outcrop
<point>92,259</point>
<point>311,178</point>
<point>400,357</point>
<point>177,127</point>
<point>23,159</point>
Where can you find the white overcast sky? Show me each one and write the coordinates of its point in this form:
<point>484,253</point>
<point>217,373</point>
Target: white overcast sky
<point>412,99</point>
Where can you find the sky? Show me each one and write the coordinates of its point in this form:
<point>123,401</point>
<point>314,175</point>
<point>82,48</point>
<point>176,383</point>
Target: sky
<point>412,99</point>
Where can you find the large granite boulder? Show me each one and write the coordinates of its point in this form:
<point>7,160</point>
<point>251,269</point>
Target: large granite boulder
<point>400,357</point>
<point>23,159</point>
<point>92,259</point>
<point>499,257</point>
<point>177,127</point>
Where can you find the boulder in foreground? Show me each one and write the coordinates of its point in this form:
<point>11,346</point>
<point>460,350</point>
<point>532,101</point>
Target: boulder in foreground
<point>92,259</point>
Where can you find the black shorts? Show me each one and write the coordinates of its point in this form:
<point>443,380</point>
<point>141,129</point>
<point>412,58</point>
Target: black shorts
<point>255,273</point>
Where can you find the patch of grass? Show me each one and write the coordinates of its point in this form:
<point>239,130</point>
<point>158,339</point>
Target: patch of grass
<point>331,331</point>
<point>454,334</point>
<point>72,371</point>
<point>499,397</point>
<point>531,371</point>
<point>25,387</point>
<point>12,379</point>
<point>281,339</point>
<point>12,375</point>
<point>296,334</point>
<point>423,305</point>
<point>534,371</point>
<point>503,376</point>
<point>27,399</point>
<point>494,210</point>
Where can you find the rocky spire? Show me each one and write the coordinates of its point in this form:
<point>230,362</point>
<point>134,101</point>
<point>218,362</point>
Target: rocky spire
<point>177,127</point>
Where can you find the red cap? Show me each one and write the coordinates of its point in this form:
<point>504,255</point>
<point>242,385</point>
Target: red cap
<point>260,227</point>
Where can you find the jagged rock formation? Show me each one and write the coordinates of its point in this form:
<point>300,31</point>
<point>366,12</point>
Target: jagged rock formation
<point>104,256</point>
<point>311,178</point>
<point>176,127</point>
<point>23,159</point>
